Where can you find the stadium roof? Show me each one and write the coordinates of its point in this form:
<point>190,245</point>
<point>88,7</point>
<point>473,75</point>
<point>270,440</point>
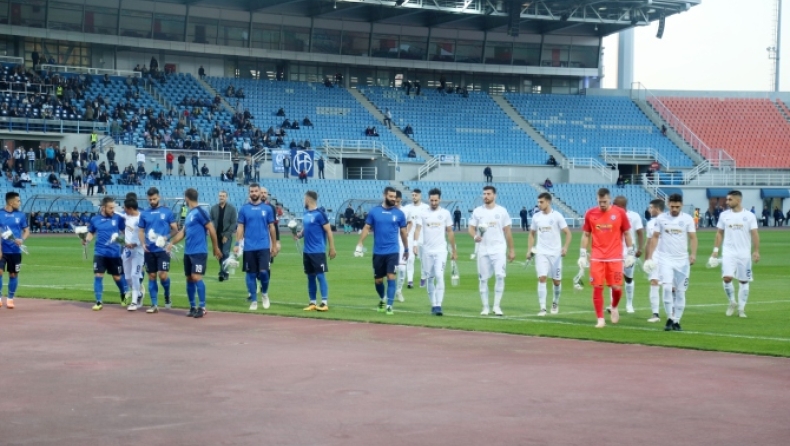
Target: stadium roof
<point>569,17</point>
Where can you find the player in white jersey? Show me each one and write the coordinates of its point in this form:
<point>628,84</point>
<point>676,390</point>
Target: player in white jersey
<point>400,270</point>
<point>737,227</point>
<point>132,254</point>
<point>656,208</point>
<point>432,225</point>
<point>412,211</point>
<point>490,228</point>
<point>673,234</point>
<point>638,238</point>
<point>548,225</point>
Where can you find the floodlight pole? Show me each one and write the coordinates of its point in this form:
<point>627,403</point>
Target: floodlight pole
<point>778,42</point>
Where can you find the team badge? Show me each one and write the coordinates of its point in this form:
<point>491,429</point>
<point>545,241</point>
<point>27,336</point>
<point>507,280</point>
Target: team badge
<point>613,217</point>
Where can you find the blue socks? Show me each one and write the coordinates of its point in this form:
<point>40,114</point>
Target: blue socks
<point>121,284</point>
<point>250,280</point>
<point>191,288</point>
<point>380,290</point>
<point>263,276</point>
<point>324,286</point>
<point>311,287</point>
<point>1,286</point>
<point>98,287</point>
<point>201,292</point>
<point>166,286</point>
<point>153,291</point>
<point>12,284</point>
<point>390,291</point>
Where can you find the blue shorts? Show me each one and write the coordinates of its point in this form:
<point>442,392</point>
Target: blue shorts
<point>384,264</point>
<point>157,261</point>
<point>111,265</point>
<point>314,263</point>
<point>256,261</point>
<point>195,264</point>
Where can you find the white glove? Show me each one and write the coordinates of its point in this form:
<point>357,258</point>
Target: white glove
<point>630,258</point>
<point>151,236</point>
<point>359,252</point>
<point>713,262</point>
<point>649,266</point>
<point>583,262</point>
<point>161,241</point>
<point>578,282</point>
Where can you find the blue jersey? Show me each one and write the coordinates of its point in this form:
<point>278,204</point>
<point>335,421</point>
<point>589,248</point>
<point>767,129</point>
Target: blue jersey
<point>195,231</point>
<point>256,219</point>
<point>159,220</point>
<point>102,229</point>
<point>314,235</point>
<point>386,224</point>
<point>16,222</point>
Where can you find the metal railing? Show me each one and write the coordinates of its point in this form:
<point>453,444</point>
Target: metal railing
<point>653,187</point>
<point>428,167</point>
<point>51,125</point>
<point>715,156</point>
<point>360,146</point>
<point>26,88</point>
<point>362,173</point>
<point>155,155</point>
<point>698,170</point>
<point>87,70</point>
<point>742,179</point>
<point>589,163</point>
<point>12,59</point>
<point>618,154</point>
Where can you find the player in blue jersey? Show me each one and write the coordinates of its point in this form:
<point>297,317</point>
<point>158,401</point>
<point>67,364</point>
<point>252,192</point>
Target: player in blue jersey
<point>157,224</point>
<point>316,232</point>
<point>196,224</point>
<point>106,253</point>
<point>11,219</point>
<point>388,224</point>
<point>255,236</point>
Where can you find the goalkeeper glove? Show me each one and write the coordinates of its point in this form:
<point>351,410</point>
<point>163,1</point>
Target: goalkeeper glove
<point>630,258</point>
<point>713,262</point>
<point>359,252</point>
<point>583,261</point>
<point>649,266</point>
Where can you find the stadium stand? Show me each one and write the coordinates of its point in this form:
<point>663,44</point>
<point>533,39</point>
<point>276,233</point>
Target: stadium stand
<point>473,127</point>
<point>335,114</point>
<point>753,131</point>
<point>581,126</point>
<point>581,197</point>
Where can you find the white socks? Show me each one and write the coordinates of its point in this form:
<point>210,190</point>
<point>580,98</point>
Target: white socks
<point>743,295</point>
<point>401,270</point>
<point>629,293</point>
<point>680,304</point>
<point>438,292</point>
<point>654,290</point>
<point>668,300</point>
<point>499,289</point>
<point>484,293</point>
<point>542,295</point>
<point>729,289</point>
<point>557,292</point>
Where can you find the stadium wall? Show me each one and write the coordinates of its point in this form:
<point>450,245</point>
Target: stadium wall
<point>504,173</point>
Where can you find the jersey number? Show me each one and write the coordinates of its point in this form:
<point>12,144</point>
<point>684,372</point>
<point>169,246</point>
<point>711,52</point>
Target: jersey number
<point>198,268</point>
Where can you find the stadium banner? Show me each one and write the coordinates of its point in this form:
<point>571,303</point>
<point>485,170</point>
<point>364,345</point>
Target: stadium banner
<point>302,159</point>
<point>449,159</point>
<point>277,160</point>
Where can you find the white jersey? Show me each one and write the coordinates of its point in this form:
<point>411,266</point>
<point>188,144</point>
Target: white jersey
<point>651,229</point>
<point>636,224</point>
<point>548,228</point>
<point>412,212</point>
<point>434,226</point>
<point>131,234</point>
<point>494,221</point>
<point>737,227</point>
<point>673,236</point>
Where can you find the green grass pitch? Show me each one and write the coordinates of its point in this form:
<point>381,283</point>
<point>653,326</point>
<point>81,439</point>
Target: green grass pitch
<point>55,270</point>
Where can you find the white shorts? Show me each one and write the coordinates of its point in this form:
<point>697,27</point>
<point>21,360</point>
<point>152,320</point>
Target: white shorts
<point>675,273</point>
<point>132,264</point>
<point>739,268</point>
<point>433,264</point>
<point>549,266</point>
<point>656,274</point>
<point>491,265</point>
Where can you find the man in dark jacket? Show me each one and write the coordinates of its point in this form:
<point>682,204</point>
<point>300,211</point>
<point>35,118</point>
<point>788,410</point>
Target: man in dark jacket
<point>223,217</point>
<point>182,159</point>
<point>321,168</point>
<point>457,219</point>
<point>524,214</point>
<point>348,218</point>
<point>778,217</point>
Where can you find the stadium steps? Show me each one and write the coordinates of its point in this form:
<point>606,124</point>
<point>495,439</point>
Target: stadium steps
<point>673,136</point>
<point>566,210</point>
<point>395,130</point>
<point>211,90</point>
<point>782,109</point>
<point>527,128</point>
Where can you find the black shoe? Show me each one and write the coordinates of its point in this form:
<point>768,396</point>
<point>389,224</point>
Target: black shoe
<point>668,325</point>
<point>200,312</point>
<point>192,312</point>
<point>676,327</point>
<point>221,277</point>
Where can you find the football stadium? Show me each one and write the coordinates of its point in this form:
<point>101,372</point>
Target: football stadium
<point>196,192</point>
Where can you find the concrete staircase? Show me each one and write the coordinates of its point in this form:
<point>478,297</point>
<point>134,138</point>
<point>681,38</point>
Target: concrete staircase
<point>371,107</point>
<point>214,92</point>
<point>563,207</point>
<point>527,128</point>
<point>656,119</point>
